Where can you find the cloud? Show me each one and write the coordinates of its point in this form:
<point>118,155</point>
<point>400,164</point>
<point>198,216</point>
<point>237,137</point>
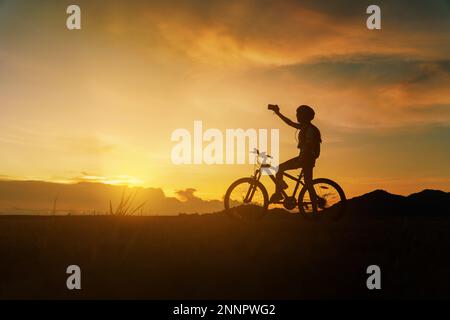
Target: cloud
<point>187,194</point>
<point>365,91</point>
<point>85,197</point>
<point>304,46</point>
<point>300,50</point>
<point>274,32</point>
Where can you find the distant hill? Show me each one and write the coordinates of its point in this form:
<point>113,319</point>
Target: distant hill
<point>38,197</point>
<point>380,202</point>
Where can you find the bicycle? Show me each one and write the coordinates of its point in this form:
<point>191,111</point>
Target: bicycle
<point>248,197</point>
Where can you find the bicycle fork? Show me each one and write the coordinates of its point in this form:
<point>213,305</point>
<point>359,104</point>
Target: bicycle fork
<point>251,191</point>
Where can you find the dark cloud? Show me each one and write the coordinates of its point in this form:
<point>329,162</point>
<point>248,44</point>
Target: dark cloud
<point>376,70</point>
<point>438,111</point>
<point>25,197</point>
<point>435,73</point>
<point>292,28</point>
<point>403,9</point>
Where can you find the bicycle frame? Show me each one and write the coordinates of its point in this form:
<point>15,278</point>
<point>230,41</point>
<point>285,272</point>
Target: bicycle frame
<point>317,201</point>
<point>257,176</point>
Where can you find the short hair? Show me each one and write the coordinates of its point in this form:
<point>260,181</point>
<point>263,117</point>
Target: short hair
<point>306,112</point>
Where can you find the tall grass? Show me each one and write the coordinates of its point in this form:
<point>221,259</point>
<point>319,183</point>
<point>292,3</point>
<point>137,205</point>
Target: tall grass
<point>125,206</point>
<point>54,205</point>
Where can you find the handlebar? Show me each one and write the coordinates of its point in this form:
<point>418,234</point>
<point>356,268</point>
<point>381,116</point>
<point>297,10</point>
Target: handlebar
<point>261,154</point>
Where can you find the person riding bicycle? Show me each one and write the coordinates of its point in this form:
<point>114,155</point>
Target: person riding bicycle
<point>309,140</point>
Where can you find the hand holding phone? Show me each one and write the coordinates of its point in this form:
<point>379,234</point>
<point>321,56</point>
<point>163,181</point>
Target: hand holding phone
<point>274,107</point>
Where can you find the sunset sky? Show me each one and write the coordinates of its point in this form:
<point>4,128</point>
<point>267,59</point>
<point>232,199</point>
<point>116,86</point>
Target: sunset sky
<point>100,103</point>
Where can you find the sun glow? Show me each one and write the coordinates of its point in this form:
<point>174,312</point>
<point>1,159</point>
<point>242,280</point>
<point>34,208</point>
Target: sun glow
<point>116,180</point>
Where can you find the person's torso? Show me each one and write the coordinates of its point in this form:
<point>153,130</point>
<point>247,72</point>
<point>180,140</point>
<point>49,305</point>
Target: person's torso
<point>310,134</point>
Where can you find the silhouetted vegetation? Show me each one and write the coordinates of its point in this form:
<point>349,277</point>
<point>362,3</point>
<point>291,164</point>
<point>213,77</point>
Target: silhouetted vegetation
<point>212,256</point>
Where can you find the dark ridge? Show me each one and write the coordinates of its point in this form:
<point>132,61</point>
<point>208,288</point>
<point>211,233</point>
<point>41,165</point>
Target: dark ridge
<point>382,203</point>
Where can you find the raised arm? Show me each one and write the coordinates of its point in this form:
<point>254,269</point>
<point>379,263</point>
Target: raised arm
<point>288,121</point>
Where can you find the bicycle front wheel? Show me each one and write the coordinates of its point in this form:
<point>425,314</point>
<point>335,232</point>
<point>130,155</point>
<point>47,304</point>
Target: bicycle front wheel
<point>246,198</point>
<point>330,200</point>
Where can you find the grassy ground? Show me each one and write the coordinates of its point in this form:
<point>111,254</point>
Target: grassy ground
<point>217,258</point>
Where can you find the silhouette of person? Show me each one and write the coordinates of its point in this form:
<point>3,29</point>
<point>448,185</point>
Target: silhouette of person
<point>309,140</point>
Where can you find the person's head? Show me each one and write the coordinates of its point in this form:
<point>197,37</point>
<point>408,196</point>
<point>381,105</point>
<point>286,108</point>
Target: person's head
<point>305,114</point>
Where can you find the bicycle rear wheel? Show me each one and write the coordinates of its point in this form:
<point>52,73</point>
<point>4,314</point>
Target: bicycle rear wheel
<point>330,200</point>
<point>246,198</point>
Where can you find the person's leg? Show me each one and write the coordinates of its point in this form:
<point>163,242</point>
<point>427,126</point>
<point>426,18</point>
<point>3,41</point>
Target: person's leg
<point>293,163</point>
<point>308,174</point>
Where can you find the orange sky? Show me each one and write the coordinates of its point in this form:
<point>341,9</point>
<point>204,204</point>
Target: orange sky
<point>100,104</point>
